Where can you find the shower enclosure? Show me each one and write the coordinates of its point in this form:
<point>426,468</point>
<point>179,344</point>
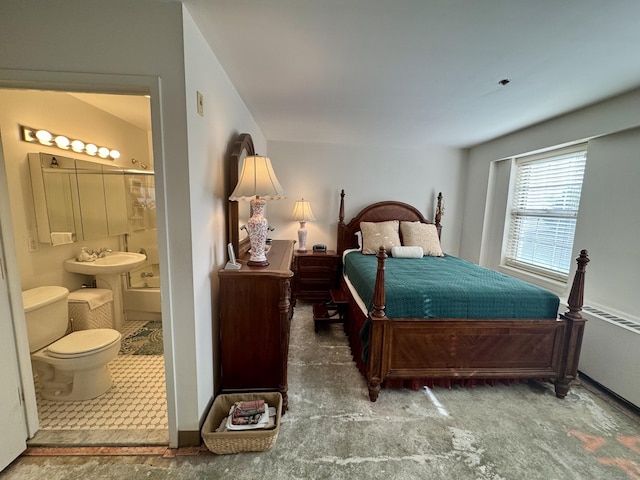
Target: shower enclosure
<point>142,290</point>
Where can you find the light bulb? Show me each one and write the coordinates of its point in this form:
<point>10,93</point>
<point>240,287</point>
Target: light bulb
<point>77,146</point>
<point>115,154</point>
<point>62,141</point>
<point>44,137</point>
<point>91,149</point>
<point>103,152</point>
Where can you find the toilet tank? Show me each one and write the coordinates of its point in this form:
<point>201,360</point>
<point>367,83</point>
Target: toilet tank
<point>45,309</point>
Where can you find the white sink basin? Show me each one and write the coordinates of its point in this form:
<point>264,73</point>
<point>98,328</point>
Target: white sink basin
<point>112,263</point>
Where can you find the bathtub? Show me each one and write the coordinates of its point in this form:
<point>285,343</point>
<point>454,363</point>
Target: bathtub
<point>141,296</point>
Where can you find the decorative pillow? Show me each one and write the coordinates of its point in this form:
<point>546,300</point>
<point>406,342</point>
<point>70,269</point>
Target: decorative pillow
<point>375,234</point>
<point>407,252</point>
<point>423,235</point>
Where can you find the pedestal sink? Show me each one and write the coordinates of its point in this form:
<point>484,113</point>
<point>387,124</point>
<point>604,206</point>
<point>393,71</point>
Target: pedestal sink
<point>107,271</point>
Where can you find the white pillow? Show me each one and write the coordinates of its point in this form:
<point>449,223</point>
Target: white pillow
<point>375,234</point>
<point>407,252</point>
<point>423,235</point>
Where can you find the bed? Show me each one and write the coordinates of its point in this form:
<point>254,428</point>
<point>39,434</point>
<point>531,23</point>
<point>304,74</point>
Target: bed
<point>427,350</point>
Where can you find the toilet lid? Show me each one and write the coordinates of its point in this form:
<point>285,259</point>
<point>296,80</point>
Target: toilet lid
<point>83,342</point>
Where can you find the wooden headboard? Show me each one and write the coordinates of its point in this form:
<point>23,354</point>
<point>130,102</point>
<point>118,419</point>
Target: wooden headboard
<point>380,212</point>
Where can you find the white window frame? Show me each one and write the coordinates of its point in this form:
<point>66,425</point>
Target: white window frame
<point>543,208</point>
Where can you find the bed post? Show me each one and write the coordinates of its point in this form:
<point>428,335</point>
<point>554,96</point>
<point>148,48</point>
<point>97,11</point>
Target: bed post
<point>377,318</point>
<point>341,226</point>
<point>574,329</point>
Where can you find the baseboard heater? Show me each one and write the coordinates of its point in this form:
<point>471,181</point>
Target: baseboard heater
<point>610,354</point>
<point>612,318</point>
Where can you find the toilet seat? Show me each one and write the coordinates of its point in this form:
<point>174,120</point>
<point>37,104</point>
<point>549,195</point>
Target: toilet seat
<point>83,343</point>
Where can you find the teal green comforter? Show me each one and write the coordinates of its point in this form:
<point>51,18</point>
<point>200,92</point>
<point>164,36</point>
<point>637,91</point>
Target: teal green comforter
<point>448,287</point>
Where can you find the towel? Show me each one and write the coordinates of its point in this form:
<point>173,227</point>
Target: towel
<point>94,297</point>
<point>61,238</point>
<point>406,252</point>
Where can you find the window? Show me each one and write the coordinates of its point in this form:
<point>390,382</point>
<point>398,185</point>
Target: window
<point>544,208</point>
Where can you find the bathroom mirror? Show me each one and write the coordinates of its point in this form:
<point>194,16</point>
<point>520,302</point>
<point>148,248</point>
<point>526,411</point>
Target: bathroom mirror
<point>115,195</point>
<point>77,199</point>
<point>55,194</point>
<point>93,207</point>
<point>239,212</point>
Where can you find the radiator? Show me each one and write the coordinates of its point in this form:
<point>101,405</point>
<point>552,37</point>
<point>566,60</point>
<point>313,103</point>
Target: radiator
<point>611,352</point>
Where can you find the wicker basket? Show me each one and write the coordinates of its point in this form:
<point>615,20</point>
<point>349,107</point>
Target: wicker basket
<point>242,440</point>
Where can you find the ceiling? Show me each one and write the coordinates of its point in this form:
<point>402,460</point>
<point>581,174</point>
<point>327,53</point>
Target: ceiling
<point>419,72</point>
<point>134,109</point>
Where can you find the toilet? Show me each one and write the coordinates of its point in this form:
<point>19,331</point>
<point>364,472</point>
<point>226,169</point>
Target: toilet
<point>70,366</point>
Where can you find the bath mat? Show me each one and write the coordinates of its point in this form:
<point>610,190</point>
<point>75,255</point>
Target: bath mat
<point>145,341</point>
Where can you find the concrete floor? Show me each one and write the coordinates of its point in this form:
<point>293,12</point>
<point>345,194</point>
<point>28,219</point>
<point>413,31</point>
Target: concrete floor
<point>332,431</point>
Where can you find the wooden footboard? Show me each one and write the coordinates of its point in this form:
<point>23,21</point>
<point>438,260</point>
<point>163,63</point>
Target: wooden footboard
<point>455,348</point>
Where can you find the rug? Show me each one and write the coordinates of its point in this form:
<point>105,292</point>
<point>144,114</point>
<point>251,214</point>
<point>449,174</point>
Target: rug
<point>145,341</point>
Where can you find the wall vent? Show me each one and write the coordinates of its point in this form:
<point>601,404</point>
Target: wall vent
<point>630,324</point>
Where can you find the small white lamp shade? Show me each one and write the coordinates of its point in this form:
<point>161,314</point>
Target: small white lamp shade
<point>303,214</point>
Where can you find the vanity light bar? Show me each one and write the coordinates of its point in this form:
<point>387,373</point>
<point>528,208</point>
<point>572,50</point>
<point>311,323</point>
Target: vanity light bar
<point>44,137</point>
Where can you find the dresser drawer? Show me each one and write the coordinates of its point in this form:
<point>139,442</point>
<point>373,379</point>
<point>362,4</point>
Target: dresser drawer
<point>318,264</point>
<point>317,283</point>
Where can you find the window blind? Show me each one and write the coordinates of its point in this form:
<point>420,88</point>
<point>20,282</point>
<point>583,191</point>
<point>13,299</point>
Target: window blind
<point>544,209</point>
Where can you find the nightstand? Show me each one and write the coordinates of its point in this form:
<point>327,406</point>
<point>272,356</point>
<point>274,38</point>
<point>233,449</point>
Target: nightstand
<point>315,274</point>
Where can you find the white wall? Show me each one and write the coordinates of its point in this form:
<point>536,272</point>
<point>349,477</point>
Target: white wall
<point>124,46</point>
<point>607,117</point>
<point>209,137</point>
<point>607,222</point>
<point>318,172</point>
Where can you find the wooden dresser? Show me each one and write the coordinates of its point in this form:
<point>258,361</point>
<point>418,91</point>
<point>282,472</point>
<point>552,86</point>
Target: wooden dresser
<point>255,317</point>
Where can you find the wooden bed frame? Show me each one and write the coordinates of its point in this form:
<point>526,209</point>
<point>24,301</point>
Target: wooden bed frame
<point>416,352</point>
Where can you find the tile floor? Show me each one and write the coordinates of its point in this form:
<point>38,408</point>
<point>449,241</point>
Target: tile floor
<point>133,411</point>
<point>131,326</point>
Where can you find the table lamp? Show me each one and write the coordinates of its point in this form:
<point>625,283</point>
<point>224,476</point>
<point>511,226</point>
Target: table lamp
<point>257,184</point>
<point>303,214</point>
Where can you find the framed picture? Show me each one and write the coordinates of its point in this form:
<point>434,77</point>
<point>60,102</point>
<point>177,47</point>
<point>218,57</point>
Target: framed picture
<point>232,264</point>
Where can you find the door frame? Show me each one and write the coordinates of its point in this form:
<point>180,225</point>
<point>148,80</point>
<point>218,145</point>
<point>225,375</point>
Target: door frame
<point>101,84</point>
<point>17,325</point>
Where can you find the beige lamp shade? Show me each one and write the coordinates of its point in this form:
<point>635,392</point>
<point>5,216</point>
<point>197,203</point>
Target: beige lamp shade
<point>302,211</point>
<point>257,183</point>
<point>257,179</point>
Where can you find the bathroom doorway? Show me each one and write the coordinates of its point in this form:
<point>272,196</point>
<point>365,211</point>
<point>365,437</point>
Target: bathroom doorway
<point>134,410</point>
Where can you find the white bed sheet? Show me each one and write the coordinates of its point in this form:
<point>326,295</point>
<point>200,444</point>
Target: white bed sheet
<point>350,286</point>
